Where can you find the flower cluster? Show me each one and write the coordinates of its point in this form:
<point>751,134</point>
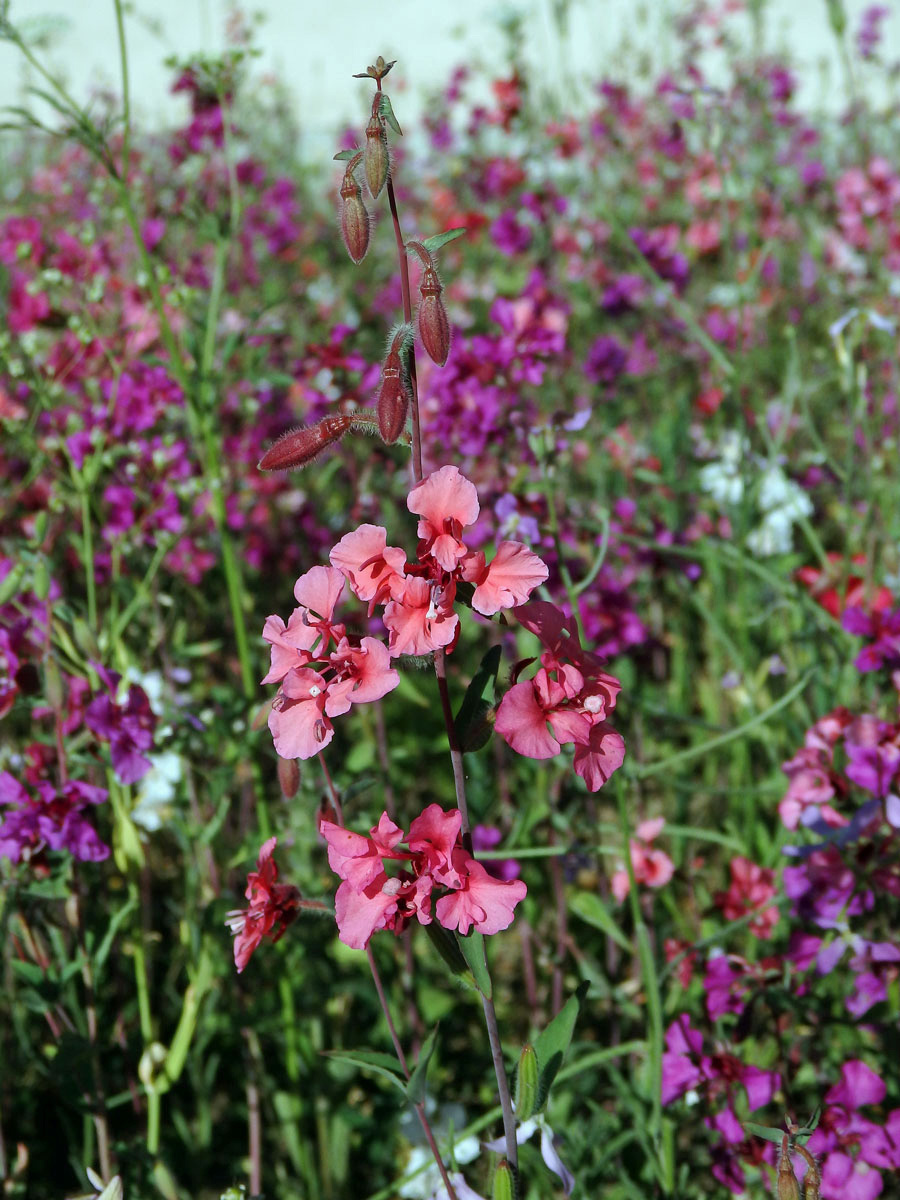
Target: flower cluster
<point>48,818</point>
<point>418,599</point>
<point>434,862</point>
<point>567,700</point>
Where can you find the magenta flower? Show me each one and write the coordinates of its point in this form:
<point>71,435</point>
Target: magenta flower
<point>53,819</point>
<point>369,898</point>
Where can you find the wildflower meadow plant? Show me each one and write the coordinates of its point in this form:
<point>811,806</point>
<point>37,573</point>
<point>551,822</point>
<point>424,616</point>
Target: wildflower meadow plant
<point>469,573</point>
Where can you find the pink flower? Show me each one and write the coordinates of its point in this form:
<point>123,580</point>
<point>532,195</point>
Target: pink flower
<point>752,887</point>
<point>482,902</point>
<point>421,619</point>
<point>651,867</point>
<point>567,700</point>
<point>298,722</point>
<point>369,563</point>
<point>369,899</point>
<point>273,906</point>
<point>509,580</point>
<point>447,502</point>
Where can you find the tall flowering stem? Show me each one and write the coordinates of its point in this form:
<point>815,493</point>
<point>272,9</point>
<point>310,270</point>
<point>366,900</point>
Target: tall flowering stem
<point>407,317</point>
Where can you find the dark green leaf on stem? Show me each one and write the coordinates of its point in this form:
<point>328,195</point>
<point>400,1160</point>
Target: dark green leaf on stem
<point>415,1088</point>
<point>371,1060</point>
<point>473,950</point>
<point>470,718</point>
<point>551,1045</point>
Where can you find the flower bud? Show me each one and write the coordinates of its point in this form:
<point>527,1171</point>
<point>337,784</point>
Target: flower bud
<point>812,1179</point>
<point>786,1185</point>
<point>288,777</point>
<point>376,155</point>
<point>354,219</point>
<point>434,328</point>
<point>504,1182</point>
<point>300,446</point>
<point>526,1084</point>
<point>394,396</point>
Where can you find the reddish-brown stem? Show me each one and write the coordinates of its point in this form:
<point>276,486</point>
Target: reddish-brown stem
<point>401,1058</point>
<point>456,758</point>
<point>332,790</point>
<point>407,317</point>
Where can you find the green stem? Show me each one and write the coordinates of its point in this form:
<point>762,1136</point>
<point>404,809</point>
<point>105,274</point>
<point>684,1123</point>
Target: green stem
<point>651,991</point>
<point>643,770</point>
<point>126,89</point>
<point>87,538</point>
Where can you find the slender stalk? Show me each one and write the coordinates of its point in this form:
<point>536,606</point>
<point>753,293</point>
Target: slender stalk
<point>126,88</point>
<point>407,316</point>
<point>506,1104</point>
<point>87,540</point>
<point>401,1058</point>
<point>456,757</point>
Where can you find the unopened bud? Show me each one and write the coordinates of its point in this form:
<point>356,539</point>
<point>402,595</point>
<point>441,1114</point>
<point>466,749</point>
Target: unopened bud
<point>434,328</point>
<point>504,1182</point>
<point>812,1179</point>
<point>354,219</point>
<point>526,1084</point>
<point>786,1185</point>
<point>300,446</point>
<point>394,396</point>
<point>376,155</point>
<point>288,777</point>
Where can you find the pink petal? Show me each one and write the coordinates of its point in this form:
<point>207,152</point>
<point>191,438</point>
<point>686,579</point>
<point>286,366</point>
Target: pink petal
<point>434,834</point>
<point>485,903</point>
<point>445,495</point>
<point>512,576</point>
<point>318,590</point>
<point>367,561</point>
<point>360,913</point>
<point>522,723</point>
<point>604,754</point>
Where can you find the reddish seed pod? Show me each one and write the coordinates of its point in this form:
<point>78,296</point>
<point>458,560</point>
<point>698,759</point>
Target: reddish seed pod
<point>376,155</point>
<point>354,219</point>
<point>434,328</point>
<point>288,777</point>
<point>394,396</point>
<point>786,1185</point>
<point>300,446</point>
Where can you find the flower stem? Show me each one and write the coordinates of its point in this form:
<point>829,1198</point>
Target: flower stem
<point>506,1105</point>
<point>401,1058</point>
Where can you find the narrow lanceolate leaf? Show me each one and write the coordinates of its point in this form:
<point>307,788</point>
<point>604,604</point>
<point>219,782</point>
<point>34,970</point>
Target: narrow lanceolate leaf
<point>371,1060</point>
<point>527,1080</point>
<point>387,113</point>
<point>472,947</point>
<point>589,907</point>
<point>551,1045</point>
<point>441,239</point>
<point>415,1088</point>
<point>472,707</point>
<point>344,155</point>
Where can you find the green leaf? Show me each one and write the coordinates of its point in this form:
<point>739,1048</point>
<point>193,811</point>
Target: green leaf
<point>769,1132</point>
<point>472,947</point>
<point>371,1060</point>
<point>387,112</point>
<point>589,907</point>
<point>472,710</point>
<point>415,1089</point>
<point>551,1045</point>
<point>441,239</point>
<point>344,156</point>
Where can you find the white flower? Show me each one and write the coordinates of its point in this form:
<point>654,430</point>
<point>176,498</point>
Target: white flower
<point>157,791</point>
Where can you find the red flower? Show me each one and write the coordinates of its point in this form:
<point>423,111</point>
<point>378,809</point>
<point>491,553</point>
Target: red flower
<point>273,906</point>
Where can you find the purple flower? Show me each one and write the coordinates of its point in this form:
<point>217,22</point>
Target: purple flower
<point>486,837</point>
<point>509,235</point>
<point>128,726</point>
<point>51,820</point>
<point>606,360</point>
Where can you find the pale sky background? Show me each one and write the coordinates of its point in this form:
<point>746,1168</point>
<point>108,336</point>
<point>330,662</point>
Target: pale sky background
<point>315,46</point>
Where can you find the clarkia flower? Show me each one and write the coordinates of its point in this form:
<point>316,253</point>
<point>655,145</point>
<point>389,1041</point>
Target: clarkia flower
<point>273,906</point>
<point>434,862</point>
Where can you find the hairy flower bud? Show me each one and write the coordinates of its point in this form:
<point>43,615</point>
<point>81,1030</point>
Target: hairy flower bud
<point>288,777</point>
<point>434,328</point>
<point>376,155</point>
<point>394,396</point>
<point>300,446</point>
<point>786,1185</point>
<point>354,218</point>
<point>812,1179</point>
